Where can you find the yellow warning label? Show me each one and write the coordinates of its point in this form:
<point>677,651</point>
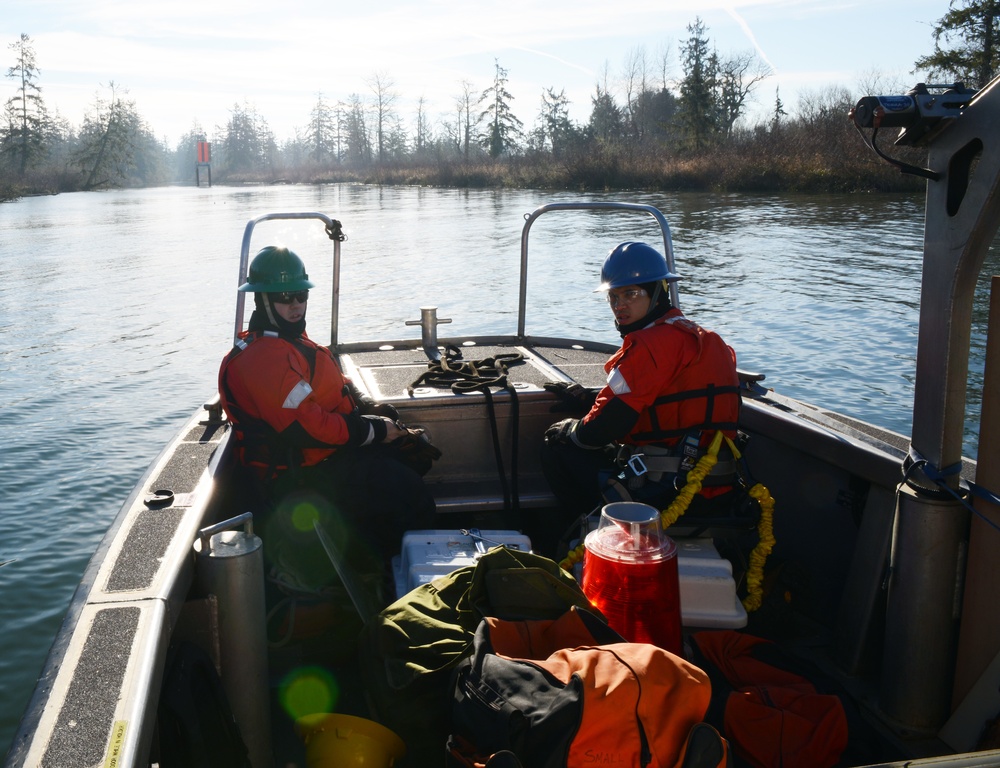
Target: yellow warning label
<point>113,760</point>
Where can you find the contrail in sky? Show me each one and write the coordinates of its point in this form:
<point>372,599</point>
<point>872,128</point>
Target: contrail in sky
<point>749,33</point>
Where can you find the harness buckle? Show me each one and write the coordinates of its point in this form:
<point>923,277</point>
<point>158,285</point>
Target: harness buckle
<point>637,465</point>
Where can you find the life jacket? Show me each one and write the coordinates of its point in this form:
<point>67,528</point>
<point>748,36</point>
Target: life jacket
<point>253,405</point>
<point>780,711</point>
<point>681,379</point>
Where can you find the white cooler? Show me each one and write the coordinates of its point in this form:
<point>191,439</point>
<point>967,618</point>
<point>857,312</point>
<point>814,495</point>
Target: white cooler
<point>426,555</point>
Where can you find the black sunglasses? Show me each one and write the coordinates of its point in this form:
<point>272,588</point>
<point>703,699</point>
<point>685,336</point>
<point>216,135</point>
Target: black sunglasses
<point>287,297</point>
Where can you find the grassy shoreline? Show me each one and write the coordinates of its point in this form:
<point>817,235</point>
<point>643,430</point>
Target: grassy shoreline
<point>725,171</point>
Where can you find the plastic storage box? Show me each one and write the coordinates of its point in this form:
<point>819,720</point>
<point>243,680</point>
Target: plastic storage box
<point>425,555</point>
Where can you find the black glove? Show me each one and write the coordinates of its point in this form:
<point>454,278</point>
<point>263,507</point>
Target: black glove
<point>416,450</point>
<point>573,398</point>
<point>386,410</point>
<point>561,431</point>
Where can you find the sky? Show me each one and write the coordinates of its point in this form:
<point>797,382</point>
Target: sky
<point>186,64</point>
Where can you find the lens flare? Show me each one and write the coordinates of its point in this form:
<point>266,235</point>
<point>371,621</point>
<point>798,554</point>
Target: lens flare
<point>304,514</point>
<point>308,691</point>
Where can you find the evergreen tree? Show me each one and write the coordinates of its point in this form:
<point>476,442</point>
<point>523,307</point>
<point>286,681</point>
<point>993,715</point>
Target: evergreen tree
<point>356,136</point>
<point>658,110</point>
<point>503,129</point>
<point>972,28</point>
<point>699,106</point>
<point>557,129</point>
<point>109,140</point>
<point>606,124</point>
<point>779,110</point>
<point>26,123</point>
<point>321,135</point>
<point>247,144</point>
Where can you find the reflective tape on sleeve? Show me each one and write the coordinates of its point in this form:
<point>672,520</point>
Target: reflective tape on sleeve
<point>617,382</point>
<point>299,392</point>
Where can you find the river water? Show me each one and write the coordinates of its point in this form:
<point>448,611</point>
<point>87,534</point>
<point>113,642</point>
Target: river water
<point>116,307</point>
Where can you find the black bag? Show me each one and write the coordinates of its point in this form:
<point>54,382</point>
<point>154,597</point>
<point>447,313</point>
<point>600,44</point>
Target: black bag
<point>571,692</point>
<point>409,650</point>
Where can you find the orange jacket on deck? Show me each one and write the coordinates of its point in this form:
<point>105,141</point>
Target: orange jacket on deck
<point>678,377</point>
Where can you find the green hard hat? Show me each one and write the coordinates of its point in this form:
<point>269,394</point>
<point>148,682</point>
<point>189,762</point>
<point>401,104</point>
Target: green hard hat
<point>275,269</point>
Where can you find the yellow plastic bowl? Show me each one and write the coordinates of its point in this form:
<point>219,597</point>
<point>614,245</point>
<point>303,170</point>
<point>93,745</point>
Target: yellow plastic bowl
<point>345,741</point>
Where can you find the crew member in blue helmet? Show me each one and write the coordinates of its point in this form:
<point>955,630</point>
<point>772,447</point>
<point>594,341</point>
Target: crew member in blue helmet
<point>318,450</point>
<point>670,387</point>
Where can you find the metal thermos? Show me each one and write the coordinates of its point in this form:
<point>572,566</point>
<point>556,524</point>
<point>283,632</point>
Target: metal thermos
<point>230,565</point>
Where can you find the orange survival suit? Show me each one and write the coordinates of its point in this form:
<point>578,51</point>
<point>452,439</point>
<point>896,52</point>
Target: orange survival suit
<point>289,397</point>
<point>675,377</point>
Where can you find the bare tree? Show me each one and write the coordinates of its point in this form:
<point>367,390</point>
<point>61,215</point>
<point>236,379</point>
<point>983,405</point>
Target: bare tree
<point>468,121</point>
<point>635,81</point>
<point>421,136</point>
<point>385,116</point>
<point>737,76</point>
<point>663,62</point>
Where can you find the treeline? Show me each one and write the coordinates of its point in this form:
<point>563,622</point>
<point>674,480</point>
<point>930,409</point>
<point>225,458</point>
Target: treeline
<point>644,131</point>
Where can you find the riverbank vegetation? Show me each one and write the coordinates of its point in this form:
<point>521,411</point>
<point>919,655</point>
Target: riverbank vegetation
<point>644,131</point>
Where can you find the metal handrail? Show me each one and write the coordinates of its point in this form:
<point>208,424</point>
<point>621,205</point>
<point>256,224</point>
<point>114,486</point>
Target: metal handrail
<point>529,219</point>
<point>331,225</point>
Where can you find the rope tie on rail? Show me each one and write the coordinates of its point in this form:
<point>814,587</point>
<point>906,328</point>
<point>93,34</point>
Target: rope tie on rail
<point>915,461</point>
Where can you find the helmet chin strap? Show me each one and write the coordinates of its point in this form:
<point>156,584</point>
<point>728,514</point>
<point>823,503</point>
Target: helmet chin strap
<point>655,310</point>
<point>656,294</point>
<point>271,314</point>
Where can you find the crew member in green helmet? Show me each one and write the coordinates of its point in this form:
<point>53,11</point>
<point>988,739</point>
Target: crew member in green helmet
<point>318,450</point>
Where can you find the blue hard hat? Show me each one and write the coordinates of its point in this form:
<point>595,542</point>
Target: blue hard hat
<point>632,263</point>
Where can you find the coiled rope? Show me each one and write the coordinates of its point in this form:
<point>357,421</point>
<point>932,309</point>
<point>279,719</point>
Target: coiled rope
<point>463,376</point>
<point>459,375</point>
<point>693,484</point>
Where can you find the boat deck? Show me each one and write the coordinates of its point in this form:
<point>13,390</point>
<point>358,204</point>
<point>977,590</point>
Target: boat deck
<point>136,598</point>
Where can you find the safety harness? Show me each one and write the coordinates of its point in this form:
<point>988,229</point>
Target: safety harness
<point>709,394</point>
<point>641,464</point>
